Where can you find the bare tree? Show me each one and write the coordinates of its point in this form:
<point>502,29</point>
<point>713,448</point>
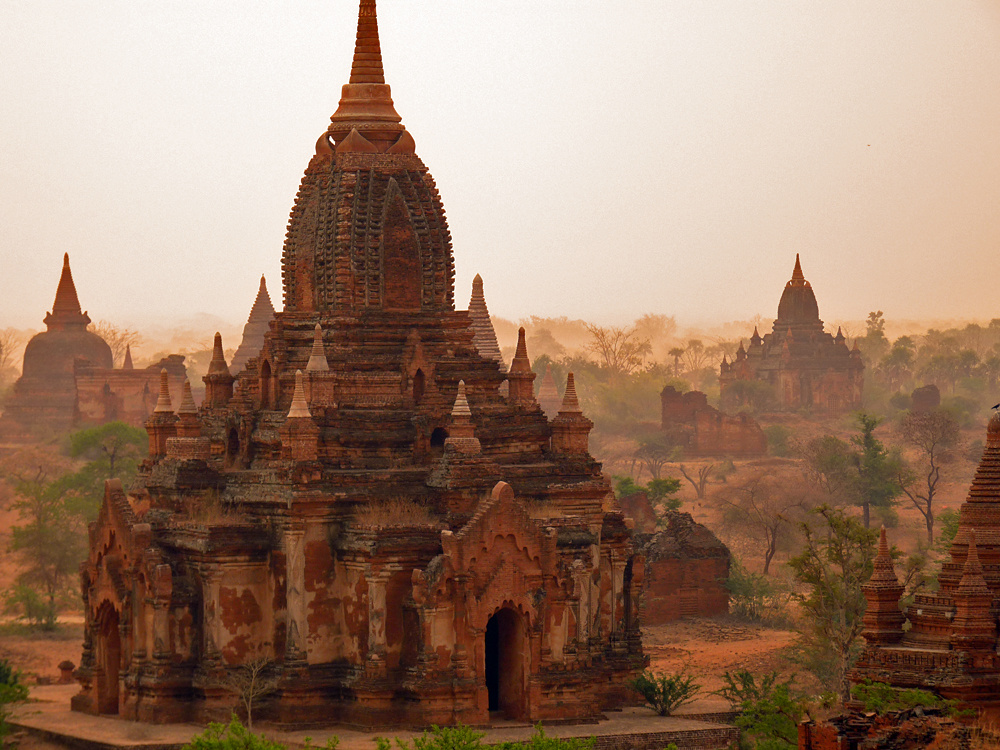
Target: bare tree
<point>10,340</point>
<point>698,478</point>
<point>620,350</point>
<point>118,338</point>
<point>251,681</point>
<point>763,507</point>
<point>933,434</point>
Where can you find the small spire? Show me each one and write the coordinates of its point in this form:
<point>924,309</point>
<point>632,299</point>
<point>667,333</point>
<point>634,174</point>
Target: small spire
<point>367,65</point>
<point>884,572</point>
<point>218,364</point>
<point>570,404</point>
<point>300,408</point>
<point>187,400</point>
<point>163,402</point>
<point>755,339</point>
<point>520,363</point>
<point>725,359</point>
<point>127,364</point>
<point>317,358</point>
<point>797,271</point>
<point>461,408</point>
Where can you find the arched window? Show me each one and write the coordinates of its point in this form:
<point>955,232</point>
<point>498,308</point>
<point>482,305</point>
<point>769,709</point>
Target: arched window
<point>418,386</point>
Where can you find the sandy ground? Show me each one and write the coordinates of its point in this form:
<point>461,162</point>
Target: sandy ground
<point>708,648</point>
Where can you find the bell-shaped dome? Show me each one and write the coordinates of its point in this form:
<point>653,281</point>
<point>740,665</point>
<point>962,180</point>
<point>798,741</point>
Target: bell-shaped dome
<point>50,354</point>
<point>798,308</point>
<point>368,231</point>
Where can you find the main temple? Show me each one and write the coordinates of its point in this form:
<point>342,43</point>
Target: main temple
<point>373,507</point>
<point>803,366</point>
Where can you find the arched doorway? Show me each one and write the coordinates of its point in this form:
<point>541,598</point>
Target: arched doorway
<point>109,651</point>
<point>506,652</point>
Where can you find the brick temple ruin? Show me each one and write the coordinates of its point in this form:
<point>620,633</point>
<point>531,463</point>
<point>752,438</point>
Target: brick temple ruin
<point>804,366</point>
<point>701,430</point>
<point>68,379</point>
<point>951,644</point>
<point>364,505</point>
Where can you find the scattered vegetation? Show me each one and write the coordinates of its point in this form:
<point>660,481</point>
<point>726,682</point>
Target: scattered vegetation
<point>665,692</point>
<point>769,710</point>
<point>231,736</point>
<point>882,698</point>
<point>13,692</point>
<point>755,597</point>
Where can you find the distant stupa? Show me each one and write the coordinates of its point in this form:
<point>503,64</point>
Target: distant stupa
<point>261,315</point>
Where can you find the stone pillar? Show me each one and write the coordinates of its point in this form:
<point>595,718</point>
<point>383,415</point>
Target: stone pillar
<point>375,662</point>
<point>295,593</point>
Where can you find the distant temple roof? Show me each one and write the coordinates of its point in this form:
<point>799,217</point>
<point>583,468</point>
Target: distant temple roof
<point>261,315</point>
<point>798,308</point>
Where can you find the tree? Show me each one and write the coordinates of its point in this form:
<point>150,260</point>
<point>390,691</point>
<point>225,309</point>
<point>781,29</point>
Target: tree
<point>834,564</point>
<point>755,396</point>
<point>251,681</point>
<point>863,472</point>
<point>698,478</point>
<point>620,350</point>
<point>113,451</point>
<point>9,342</point>
<point>677,352</point>
<point>934,434</point>
<point>654,452</point>
<point>878,470</point>
<point>769,712</point>
<point>50,540</point>
<point>763,507</point>
<point>117,337</point>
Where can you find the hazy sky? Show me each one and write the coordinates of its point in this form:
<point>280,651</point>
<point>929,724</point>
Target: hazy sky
<point>597,158</point>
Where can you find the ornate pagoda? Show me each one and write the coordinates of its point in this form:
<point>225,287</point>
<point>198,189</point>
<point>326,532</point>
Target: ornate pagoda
<point>951,644</point>
<point>373,506</point>
<point>803,365</point>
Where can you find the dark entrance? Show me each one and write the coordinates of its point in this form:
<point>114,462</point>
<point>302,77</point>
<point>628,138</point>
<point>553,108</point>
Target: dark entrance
<point>505,650</point>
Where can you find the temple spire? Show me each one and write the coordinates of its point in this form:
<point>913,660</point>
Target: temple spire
<point>127,364</point>
<point>163,404</point>
<point>366,101</point>
<point>299,408</point>
<point>317,357</point>
<point>797,271</point>
<point>66,311</point>
<point>570,404</point>
<point>367,66</point>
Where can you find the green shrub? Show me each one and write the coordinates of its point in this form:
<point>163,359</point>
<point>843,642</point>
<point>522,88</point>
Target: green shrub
<point>540,741</point>
<point>769,711</point>
<point>778,440</point>
<point>664,692</point>
<point>12,693</point>
<point>883,698</point>
<point>756,597</point>
<point>459,737</point>
<point>231,736</point>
